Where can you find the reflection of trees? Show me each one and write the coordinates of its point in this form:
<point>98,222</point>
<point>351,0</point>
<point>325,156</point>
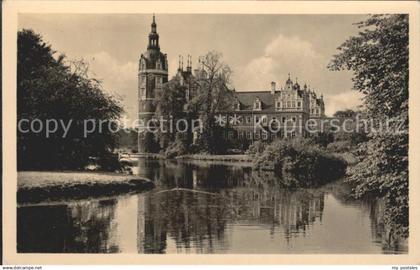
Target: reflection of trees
<point>42,229</point>
<point>374,208</point>
<point>262,200</point>
<point>92,226</point>
<point>191,219</point>
<point>198,221</point>
<point>390,241</point>
<point>84,227</point>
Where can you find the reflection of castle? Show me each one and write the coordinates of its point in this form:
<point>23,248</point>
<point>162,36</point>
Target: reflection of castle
<point>289,105</point>
<point>198,221</point>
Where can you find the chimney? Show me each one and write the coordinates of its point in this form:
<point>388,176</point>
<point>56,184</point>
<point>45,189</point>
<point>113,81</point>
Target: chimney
<point>273,87</point>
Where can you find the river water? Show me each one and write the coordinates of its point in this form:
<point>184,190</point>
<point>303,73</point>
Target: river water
<point>205,207</point>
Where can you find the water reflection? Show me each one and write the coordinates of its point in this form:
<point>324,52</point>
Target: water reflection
<point>208,208</point>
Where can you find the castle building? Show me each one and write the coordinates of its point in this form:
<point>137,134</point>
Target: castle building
<point>284,110</point>
<point>152,74</point>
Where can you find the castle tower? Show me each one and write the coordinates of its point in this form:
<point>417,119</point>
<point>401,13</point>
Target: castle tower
<point>152,74</point>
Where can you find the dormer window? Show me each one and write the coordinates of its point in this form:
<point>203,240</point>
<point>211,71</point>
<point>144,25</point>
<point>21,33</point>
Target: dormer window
<point>237,106</point>
<point>257,104</point>
<point>158,65</point>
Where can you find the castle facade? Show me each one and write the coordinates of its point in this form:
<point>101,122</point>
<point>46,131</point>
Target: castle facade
<point>289,105</point>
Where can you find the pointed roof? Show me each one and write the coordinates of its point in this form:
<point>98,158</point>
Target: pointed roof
<point>289,81</point>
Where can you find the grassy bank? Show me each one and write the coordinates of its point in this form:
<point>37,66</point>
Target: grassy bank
<point>34,187</point>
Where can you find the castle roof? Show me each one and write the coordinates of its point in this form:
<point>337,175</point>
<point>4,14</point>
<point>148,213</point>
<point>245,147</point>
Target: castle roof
<point>152,56</point>
<point>247,98</point>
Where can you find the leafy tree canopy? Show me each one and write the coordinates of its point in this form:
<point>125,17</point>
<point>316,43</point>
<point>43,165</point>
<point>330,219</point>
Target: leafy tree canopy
<point>378,56</point>
<point>50,88</point>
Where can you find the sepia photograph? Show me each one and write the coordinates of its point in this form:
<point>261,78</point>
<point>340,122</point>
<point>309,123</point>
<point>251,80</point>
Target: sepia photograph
<point>156,132</point>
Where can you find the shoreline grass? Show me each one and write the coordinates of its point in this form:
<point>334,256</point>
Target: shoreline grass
<point>35,187</point>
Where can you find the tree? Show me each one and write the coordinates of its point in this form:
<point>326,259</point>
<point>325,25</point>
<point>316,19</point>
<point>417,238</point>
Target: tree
<point>213,95</point>
<point>170,103</point>
<point>345,114</point>
<point>378,56</point>
<point>50,87</point>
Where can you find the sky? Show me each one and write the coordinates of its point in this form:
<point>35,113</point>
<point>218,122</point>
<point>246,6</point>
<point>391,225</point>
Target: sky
<point>258,48</point>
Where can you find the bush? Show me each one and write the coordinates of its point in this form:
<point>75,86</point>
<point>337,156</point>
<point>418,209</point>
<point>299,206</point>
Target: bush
<point>256,148</point>
<point>383,172</point>
<point>353,137</point>
<point>339,146</point>
<point>176,148</point>
<point>110,162</point>
<point>321,139</point>
<point>308,163</point>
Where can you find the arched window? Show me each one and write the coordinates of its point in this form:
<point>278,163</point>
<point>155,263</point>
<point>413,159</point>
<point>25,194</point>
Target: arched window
<point>142,64</point>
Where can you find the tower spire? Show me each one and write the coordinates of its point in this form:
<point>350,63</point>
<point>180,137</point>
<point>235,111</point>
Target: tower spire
<point>153,36</point>
<point>153,24</point>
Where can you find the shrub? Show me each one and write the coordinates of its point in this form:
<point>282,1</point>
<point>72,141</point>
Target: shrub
<point>176,148</point>
<point>339,146</point>
<point>321,139</point>
<point>308,163</point>
<point>110,162</point>
<point>256,148</point>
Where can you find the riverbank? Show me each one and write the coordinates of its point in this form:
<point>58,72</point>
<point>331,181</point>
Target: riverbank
<point>205,157</point>
<point>34,187</point>
<point>347,156</point>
